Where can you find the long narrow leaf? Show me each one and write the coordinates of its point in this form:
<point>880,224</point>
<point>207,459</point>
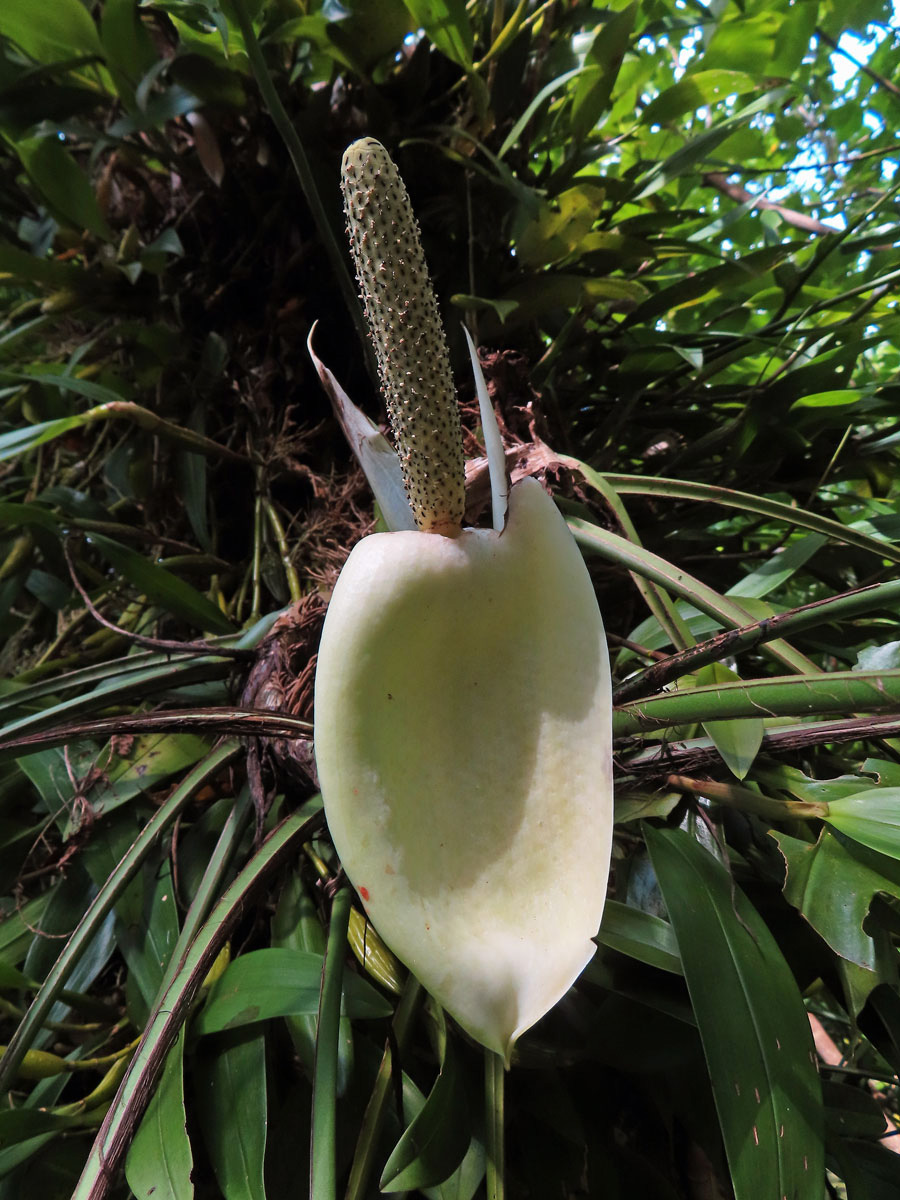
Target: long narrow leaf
<point>755,1034</point>
<point>680,489</point>
<point>93,919</point>
<point>651,566</point>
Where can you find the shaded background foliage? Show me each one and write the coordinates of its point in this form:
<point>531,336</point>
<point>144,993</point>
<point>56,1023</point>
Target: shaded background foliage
<point>673,228</point>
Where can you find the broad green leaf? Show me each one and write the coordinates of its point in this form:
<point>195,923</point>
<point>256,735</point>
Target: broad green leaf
<point>162,587</point>
<point>278,983</point>
<point>232,1106</point>
<point>436,1140</point>
<point>870,1172</point>
<point>851,1112</point>
<point>127,46</point>
<point>640,935</point>
<point>737,741</point>
<point>18,924</point>
<point>159,1161</point>
<point>879,658</point>
<point>697,91</point>
<point>64,28</point>
<point>601,69</point>
<point>700,147</point>
<point>64,185</point>
<point>834,399</point>
<point>446,23</point>
<point>779,568</point>
<point>832,882</point>
<point>871,817</point>
<point>754,1029</point>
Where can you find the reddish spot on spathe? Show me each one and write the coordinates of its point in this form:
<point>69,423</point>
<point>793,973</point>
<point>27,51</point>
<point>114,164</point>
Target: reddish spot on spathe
<point>364,892</point>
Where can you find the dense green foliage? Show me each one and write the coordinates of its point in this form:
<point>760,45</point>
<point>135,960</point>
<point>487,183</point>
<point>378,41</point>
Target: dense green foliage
<point>673,230</point>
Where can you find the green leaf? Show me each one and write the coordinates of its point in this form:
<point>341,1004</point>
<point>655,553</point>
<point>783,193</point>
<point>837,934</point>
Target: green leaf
<point>779,568</point>
<point>436,1140</point>
<point>879,658</point>
<point>62,28</point>
<point>447,25</point>
<point>871,817</point>
<point>834,399</point>
<point>737,741</point>
<point>232,1105</point>
<point>162,587</point>
<point>601,69</point>
<point>20,441</point>
<point>17,1124</point>
<point>755,1033</point>
<point>701,147</point>
<point>32,269</point>
<point>126,45</point>
<point>870,1172</point>
<point>832,883</point>
<point>640,935</point>
<point>18,925</point>
<point>697,91</point>
<point>159,1161</point>
<point>278,983</point>
<point>64,185</point>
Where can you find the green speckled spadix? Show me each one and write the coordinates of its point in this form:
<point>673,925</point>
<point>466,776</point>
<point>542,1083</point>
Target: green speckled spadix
<point>411,350</point>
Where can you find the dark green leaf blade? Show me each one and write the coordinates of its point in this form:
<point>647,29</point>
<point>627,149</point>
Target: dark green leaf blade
<point>162,587</point>
<point>436,1140</point>
<point>159,1162</point>
<point>232,1075</point>
<point>756,1037</point>
<point>871,817</point>
<point>278,983</point>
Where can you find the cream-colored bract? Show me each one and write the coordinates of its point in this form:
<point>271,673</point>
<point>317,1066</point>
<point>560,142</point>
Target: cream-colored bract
<point>463,743</point>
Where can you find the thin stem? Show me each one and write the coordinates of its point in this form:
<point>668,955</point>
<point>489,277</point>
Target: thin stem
<point>284,551</point>
<point>494,1081</point>
<point>322,1156</point>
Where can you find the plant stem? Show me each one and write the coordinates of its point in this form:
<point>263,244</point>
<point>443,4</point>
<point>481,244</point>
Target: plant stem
<point>322,1165</point>
<point>494,1080</point>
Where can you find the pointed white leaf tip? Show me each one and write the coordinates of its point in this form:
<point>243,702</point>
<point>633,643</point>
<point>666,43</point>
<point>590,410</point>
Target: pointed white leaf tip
<point>463,742</point>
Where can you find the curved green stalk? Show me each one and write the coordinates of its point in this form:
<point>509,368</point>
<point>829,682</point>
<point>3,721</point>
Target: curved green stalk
<point>654,597</point>
<point>680,489</point>
<point>835,608</point>
<point>103,902</point>
<point>785,696</point>
<point>721,608</point>
<point>494,1083</point>
<point>322,1144</point>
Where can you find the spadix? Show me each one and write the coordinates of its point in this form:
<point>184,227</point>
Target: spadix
<point>463,704</point>
<point>463,748</point>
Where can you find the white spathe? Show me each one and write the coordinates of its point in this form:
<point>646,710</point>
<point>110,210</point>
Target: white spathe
<point>463,743</point>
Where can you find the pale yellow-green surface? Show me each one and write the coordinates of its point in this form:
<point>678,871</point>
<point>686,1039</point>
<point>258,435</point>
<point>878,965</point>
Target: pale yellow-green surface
<point>464,749</point>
